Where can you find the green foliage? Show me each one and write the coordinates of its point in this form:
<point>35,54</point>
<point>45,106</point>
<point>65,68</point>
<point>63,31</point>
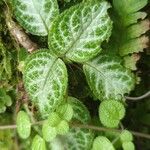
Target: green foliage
<point>111,112</point>
<point>5,100</point>
<point>86,49</point>
<point>107,78</point>
<point>49,132</point>
<point>23,124</point>
<point>128,146</point>
<point>77,33</point>
<point>102,143</point>
<point>126,21</point>
<point>65,111</point>
<point>126,136</point>
<point>45,88</point>
<point>38,143</point>
<point>36,16</point>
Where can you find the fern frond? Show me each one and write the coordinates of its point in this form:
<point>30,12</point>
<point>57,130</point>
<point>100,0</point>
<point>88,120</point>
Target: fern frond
<point>129,26</point>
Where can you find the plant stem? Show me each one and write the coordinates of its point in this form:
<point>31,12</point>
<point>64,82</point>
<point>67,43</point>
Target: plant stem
<point>83,126</point>
<point>138,98</point>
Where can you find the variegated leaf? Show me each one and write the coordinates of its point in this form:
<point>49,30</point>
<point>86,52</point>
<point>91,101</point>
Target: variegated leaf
<point>77,138</point>
<point>107,78</point>
<point>36,16</point>
<point>45,79</point>
<point>79,31</point>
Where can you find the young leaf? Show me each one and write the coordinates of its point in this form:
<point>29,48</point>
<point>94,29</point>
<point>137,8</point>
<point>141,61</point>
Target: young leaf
<point>45,78</point>
<point>126,136</point>
<point>23,124</point>
<point>107,78</point>
<point>54,119</point>
<point>81,113</point>
<point>65,111</point>
<point>49,133</point>
<point>111,112</point>
<point>128,146</point>
<point>102,143</point>
<point>38,143</point>
<point>36,16</point>
<point>76,138</point>
<point>63,127</point>
<point>79,31</point>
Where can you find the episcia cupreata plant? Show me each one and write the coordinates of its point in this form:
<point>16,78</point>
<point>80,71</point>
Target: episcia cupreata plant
<point>101,42</point>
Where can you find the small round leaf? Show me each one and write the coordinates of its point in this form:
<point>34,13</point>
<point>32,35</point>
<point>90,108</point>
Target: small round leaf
<point>126,136</point>
<point>102,143</point>
<point>23,125</point>
<point>54,119</point>
<point>128,146</point>
<point>66,111</point>
<point>49,133</point>
<point>63,127</point>
<point>111,112</point>
<point>38,143</point>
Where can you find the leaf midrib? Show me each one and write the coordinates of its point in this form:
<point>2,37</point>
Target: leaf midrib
<point>83,30</point>
<point>43,21</point>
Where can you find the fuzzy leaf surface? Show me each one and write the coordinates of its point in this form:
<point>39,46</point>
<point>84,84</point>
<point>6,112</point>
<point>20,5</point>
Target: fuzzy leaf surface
<point>45,78</point>
<point>77,138</point>
<point>78,32</point>
<point>36,16</point>
<point>107,78</point>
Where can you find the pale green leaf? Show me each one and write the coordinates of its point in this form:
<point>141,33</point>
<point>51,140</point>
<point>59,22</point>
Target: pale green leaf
<point>38,143</point>
<point>126,136</point>
<point>23,124</point>
<point>49,133</point>
<point>63,127</point>
<point>78,32</point>
<point>111,112</point>
<point>76,138</point>
<point>128,146</point>
<point>54,119</point>
<point>45,78</point>
<point>65,111</point>
<point>107,78</point>
<point>36,16</point>
<point>102,143</point>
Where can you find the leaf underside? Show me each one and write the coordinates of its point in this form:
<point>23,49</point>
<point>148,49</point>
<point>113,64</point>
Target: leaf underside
<point>107,78</point>
<point>36,16</point>
<point>45,79</point>
<point>78,32</point>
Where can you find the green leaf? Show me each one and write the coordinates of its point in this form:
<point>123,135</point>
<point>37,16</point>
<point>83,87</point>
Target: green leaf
<point>111,112</point>
<point>128,20</point>
<point>38,143</point>
<point>45,78</point>
<point>79,31</point>
<point>36,16</point>
<point>126,136</point>
<point>128,146</point>
<point>23,124</point>
<point>107,78</point>
<point>81,113</point>
<point>65,111</point>
<point>131,61</point>
<point>102,143</point>
<point>49,133</point>
<point>54,119</point>
<point>63,127</point>
<point>76,138</point>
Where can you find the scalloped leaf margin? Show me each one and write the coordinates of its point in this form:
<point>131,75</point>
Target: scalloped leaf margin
<point>45,78</point>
